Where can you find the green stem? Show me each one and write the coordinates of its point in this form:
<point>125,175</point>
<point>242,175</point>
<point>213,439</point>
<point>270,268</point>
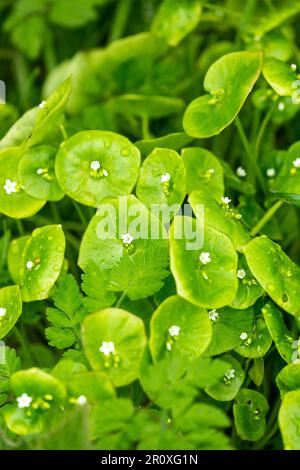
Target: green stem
<point>121,298</point>
<point>55,213</point>
<point>262,131</point>
<point>24,343</point>
<point>20,227</point>
<point>145,128</point>
<point>250,154</point>
<point>268,215</point>
<point>120,19</point>
<point>80,213</point>
<point>64,132</point>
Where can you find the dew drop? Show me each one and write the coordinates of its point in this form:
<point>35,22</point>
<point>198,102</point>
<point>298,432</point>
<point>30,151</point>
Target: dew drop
<point>125,152</point>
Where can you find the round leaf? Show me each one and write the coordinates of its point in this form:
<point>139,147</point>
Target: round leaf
<point>249,289</point>
<point>280,76</point>
<point>121,338</point>
<point>228,386</point>
<point>14,257</point>
<point>257,342</point>
<point>250,409</point>
<point>93,165</point>
<point>173,141</point>
<point>289,419</point>
<point>288,379</point>
<point>10,308</point>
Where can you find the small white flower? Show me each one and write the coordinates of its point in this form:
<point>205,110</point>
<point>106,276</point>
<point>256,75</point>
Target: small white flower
<point>296,163</point>
<point>2,312</point>
<point>204,257</point>
<point>42,104</point>
<point>165,178</point>
<point>127,238</point>
<point>211,171</point>
<point>241,273</point>
<point>81,400</point>
<point>40,171</point>
<point>29,264</point>
<point>213,315</point>
<point>105,173</point>
<point>281,106</point>
<point>107,347</point>
<point>226,200</point>
<point>169,346</point>
<point>293,67</point>
<point>241,172</point>
<point>10,186</point>
<point>243,336</point>
<point>230,374</point>
<point>271,172</point>
<point>174,330</point>
<point>95,165</point>
<point>24,401</point>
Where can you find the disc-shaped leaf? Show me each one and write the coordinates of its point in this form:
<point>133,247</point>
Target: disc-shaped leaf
<point>14,201</point>
<point>203,263</point>
<point>288,179</point>
<point>95,386</point>
<point>228,81</point>
<point>288,379</point>
<point>162,179</point>
<point>176,18</point>
<point>203,170</point>
<point>114,341</point>
<point>220,216</point>
<point>289,420</point>
<point>286,343</point>
<point>275,271</point>
<point>93,165</point>
<point>36,173</point>
<point>227,326</point>
<point>249,290</point>
<point>257,342</point>
<point>10,308</point>
<point>14,257</point>
<point>37,383</point>
<point>42,261</point>
<point>280,76</point>
<point>226,388</point>
<point>250,409</point>
<point>173,141</point>
<point>179,328</point>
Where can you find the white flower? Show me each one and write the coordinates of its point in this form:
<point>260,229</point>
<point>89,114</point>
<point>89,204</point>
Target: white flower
<point>243,336</point>
<point>29,264</point>
<point>174,330</point>
<point>241,273</point>
<point>24,401</point>
<point>42,104</point>
<point>105,173</point>
<point>40,171</point>
<point>81,400</point>
<point>293,67</point>
<point>296,163</point>
<point>230,374</point>
<point>281,106</point>
<point>165,178</point>
<point>107,347</point>
<point>241,172</point>
<point>226,200</point>
<point>10,186</point>
<point>211,171</point>
<point>271,172</point>
<point>169,346</point>
<point>204,257</point>
<point>2,312</point>
<point>95,165</point>
<point>127,238</point>
<point>213,315</point>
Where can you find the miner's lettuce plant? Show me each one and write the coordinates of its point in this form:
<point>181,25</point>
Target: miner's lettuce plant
<point>116,333</point>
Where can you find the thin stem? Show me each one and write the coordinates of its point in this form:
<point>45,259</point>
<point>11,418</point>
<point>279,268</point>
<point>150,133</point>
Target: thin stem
<point>120,20</point>
<point>121,298</point>
<point>63,131</point>
<point>250,154</point>
<point>20,227</point>
<point>268,215</point>
<point>55,213</point>
<point>262,131</point>
<point>145,128</point>
<point>24,343</point>
<point>80,213</point>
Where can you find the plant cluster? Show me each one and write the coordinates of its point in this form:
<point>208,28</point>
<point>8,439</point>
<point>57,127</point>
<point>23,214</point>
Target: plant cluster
<point>130,342</point>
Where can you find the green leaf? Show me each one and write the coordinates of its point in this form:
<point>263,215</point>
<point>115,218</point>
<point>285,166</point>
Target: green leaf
<point>289,419</point>
<point>228,81</point>
<point>220,216</point>
<point>14,201</point>
<point>20,130</point>
<point>58,337</point>
<point>8,367</point>
<point>42,262</point>
<point>227,386</point>
<point>28,36</point>
<point>249,290</point>
<point>284,340</point>
<point>95,284</point>
<point>14,257</point>
<point>162,179</point>
<point>121,337</point>
<point>209,283</point>
<point>173,141</point>
<point>95,386</point>
<point>203,170</point>
<point>36,173</point>
<point>287,182</point>
<point>227,326</point>
<point>280,76</point>
<point>179,328</point>
<point>256,371</point>
<point>93,165</point>
<point>153,107</point>
<point>275,271</point>
<point>249,410</point>
<point>288,379</point>
<point>176,18</point>
<point>10,308</point>
<point>258,341</point>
